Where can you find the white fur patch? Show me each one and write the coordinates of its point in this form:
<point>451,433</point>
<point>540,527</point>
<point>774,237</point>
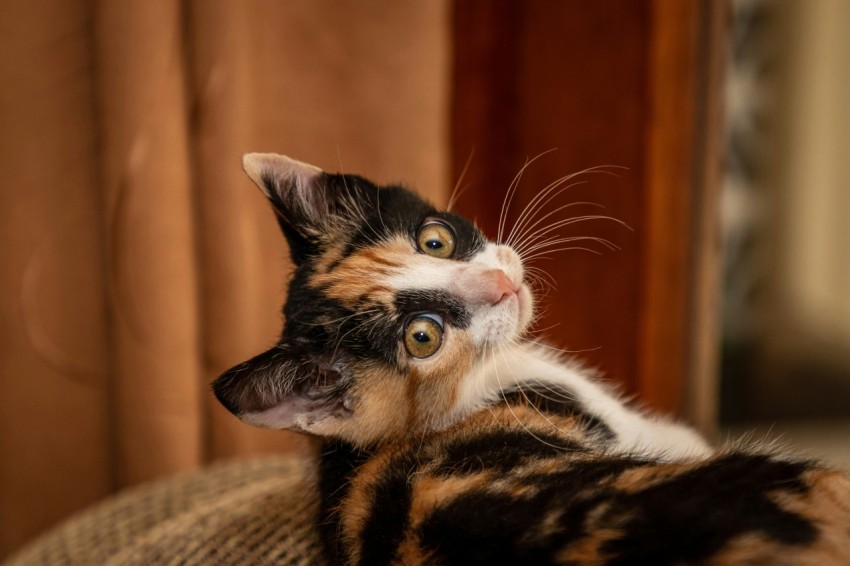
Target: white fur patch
<point>491,323</point>
<point>503,363</point>
<point>636,433</point>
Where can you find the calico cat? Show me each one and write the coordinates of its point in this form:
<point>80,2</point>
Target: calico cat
<point>449,438</point>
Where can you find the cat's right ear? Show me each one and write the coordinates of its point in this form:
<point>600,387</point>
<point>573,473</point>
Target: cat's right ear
<point>299,193</point>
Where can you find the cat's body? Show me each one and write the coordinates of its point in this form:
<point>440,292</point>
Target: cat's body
<point>448,438</point>
<point>487,492</point>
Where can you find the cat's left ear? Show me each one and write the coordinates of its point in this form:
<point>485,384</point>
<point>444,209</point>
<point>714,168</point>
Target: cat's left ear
<point>306,196</point>
<point>310,203</point>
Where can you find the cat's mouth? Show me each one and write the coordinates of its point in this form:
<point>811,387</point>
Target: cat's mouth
<point>504,322</point>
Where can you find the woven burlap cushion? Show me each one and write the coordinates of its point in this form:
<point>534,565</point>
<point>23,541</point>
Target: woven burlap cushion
<point>245,512</point>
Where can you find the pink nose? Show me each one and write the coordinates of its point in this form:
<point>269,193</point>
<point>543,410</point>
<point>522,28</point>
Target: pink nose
<point>498,286</point>
<point>488,287</point>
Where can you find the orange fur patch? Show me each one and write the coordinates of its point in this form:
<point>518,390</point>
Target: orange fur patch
<point>355,276</point>
<point>430,492</point>
<point>357,507</point>
<point>826,504</point>
<point>639,479</point>
<point>435,382</point>
<point>588,549</point>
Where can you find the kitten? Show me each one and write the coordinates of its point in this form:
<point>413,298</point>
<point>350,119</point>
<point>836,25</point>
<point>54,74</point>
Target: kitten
<point>448,438</point>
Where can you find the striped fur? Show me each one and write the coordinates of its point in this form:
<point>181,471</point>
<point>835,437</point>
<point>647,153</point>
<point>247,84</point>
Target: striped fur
<point>489,448</point>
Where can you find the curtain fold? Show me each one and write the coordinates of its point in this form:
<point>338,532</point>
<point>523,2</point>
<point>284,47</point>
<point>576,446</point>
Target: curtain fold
<point>138,262</point>
<point>55,439</point>
<point>151,274</point>
<point>242,257</point>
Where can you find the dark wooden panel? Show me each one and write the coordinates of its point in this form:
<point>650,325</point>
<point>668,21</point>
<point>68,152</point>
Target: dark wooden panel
<point>574,84</point>
<point>486,96</point>
<point>669,190</point>
<point>601,83</point>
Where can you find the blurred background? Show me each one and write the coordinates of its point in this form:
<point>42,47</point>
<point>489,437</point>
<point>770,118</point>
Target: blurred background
<point>137,262</point>
<point>786,306</point>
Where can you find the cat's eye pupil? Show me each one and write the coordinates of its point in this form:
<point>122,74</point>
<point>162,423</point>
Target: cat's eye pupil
<point>423,335</point>
<point>436,239</point>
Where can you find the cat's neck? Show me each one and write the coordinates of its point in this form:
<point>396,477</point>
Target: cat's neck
<point>528,365</point>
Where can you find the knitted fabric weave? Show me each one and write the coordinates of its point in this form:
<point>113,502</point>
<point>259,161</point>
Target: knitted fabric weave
<point>244,512</point>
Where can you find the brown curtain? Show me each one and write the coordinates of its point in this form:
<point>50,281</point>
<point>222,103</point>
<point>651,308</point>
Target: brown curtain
<point>136,260</point>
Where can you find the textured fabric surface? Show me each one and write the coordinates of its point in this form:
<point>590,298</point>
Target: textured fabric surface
<point>243,512</point>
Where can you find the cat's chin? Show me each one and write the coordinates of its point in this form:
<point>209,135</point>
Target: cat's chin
<point>525,309</point>
<point>505,323</point>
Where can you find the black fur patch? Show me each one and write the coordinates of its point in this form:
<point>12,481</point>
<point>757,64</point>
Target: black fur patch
<point>693,516</point>
<point>391,500</point>
<point>376,338</point>
<point>501,450</point>
<point>338,464</point>
<point>372,335</point>
<point>441,302</point>
<point>393,211</point>
<point>557,400</point>
<point>483,527</point>
<point>489,527</point>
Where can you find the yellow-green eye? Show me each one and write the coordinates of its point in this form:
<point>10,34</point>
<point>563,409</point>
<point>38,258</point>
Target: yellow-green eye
<point>424,335</point>
<point>436,239</point>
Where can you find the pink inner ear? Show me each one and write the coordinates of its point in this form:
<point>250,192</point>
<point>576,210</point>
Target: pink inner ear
<point>283,415</point>
<point>287,172</point>
<point>294,412</point>
<point>293,186</point>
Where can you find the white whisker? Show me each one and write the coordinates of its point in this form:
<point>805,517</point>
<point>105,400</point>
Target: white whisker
<point>512,188</point>
<point>540,233</point>
<point>521,236</point>
<point>458,191</point>
<point>538,200</point>
<point>508,405</point>
<point>557,241</point>
<point>536,203</point>
<point>530,403</point>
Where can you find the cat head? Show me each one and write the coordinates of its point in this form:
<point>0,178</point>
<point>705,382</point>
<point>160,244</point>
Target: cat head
<point>391,305</point>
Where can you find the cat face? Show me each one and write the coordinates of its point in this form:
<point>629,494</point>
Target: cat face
<point>391,306</point>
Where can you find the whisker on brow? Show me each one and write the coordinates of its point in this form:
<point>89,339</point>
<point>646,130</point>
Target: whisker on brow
<point>512,188</point>
<point>539,200</point>
<point>458,191</point>
<point>521,236</point>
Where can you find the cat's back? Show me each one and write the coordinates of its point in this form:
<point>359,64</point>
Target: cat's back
<point>515,485</point>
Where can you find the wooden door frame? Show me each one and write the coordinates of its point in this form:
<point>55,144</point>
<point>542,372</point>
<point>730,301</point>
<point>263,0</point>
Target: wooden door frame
<point>683,45</point>
<point>684,146</point>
